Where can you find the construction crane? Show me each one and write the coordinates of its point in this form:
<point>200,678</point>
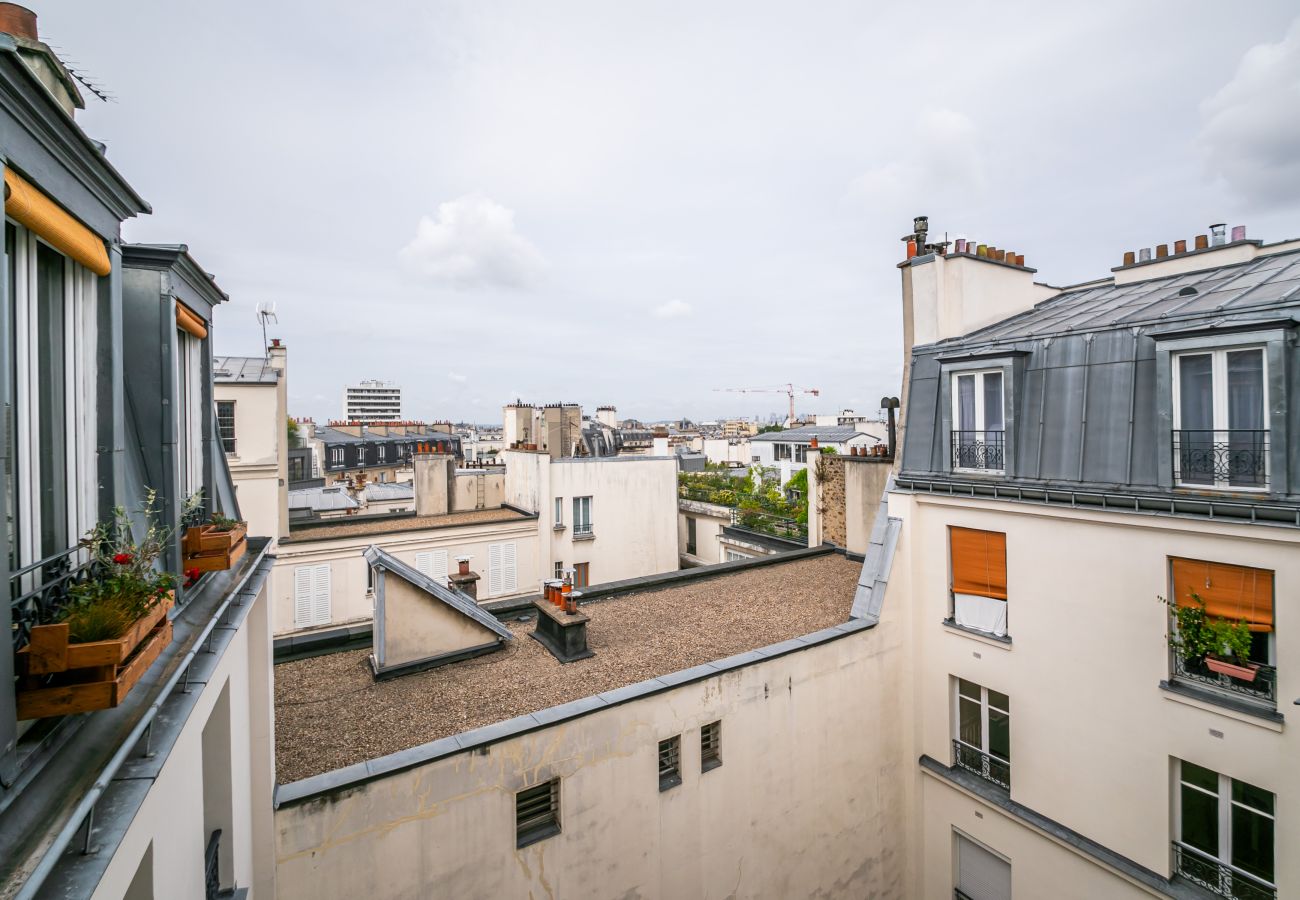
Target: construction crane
<point>789,390</point>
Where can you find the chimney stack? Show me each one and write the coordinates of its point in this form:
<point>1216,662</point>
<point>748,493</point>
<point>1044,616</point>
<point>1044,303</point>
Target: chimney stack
<point>463,579</point>
<point>19,22</point>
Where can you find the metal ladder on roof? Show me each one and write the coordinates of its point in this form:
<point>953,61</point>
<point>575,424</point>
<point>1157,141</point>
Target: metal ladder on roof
<point>481,499</point>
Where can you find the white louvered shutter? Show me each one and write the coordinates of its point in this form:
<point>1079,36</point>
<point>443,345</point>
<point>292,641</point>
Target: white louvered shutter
<point>494,569</point>
<point>424,563</point>
<point>302,605</point>
<point>509,577</point>
<point>980,874</point>
<point>438,567</point>
<point>321,598</point>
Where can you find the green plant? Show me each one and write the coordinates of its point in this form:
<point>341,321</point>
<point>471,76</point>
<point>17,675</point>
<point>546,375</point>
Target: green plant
<point>293,434</point>
<point>1231,640</point>
<point>125,583</point>
<point>1193,635</point>
<point>223,523</point>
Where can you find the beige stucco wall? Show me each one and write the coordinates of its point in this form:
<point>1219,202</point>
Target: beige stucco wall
<point>1092,733</point>
<point>348,568</point>
<point>809,799</point>
<point>864,490</point>
<point>255,468</point>
<point>465,492</point>
<point>709,522</point>
<point>171,818</point>
<point>418,626</point>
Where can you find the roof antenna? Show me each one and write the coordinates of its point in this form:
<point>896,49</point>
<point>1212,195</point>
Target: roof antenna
<point>266,313</point>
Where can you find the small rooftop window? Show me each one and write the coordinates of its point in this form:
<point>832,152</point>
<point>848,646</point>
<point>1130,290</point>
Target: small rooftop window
<point>537,813</point>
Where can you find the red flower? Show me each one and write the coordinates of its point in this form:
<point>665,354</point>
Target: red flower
<point>193,574</point>
<point>123,558</point>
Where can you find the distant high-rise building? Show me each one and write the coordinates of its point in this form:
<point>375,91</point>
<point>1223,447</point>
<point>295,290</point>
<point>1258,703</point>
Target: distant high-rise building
<point>372,401</point>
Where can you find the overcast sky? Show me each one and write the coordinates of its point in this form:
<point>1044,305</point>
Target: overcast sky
<point>638,202</point>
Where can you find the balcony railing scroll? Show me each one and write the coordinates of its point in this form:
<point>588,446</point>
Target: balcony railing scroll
<point>977,762</point>
<point>1218,877</point>
<point>39,592</point>
<point>1234,458</point>
<point>212,867</point>
<point>979,450</point>
<point>1263,689</point>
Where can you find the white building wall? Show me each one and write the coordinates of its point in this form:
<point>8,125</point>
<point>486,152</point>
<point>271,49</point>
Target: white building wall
<point>255,466</point>
<point>1092,732</point>
<point>810,799</point>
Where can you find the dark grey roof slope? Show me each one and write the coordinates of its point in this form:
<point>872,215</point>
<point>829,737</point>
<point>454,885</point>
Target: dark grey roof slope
<point>455,599</point>
<point>320,499</point>
<point>1233,293</point>
<point>243,370</point>
<point>827,433</point>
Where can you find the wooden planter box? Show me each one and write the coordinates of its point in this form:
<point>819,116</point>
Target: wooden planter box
<point>58,678</point>
<point>208,550</point>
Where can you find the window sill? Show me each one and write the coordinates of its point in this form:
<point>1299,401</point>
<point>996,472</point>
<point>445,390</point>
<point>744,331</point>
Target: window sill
<point>984,637</point>
<point>537,834</point>
<point>1212,701</point>
<point>559,527</point>
<point>584,536</point>
<point>709,765</point>
<point>998,472</point>
<point>666,784</point>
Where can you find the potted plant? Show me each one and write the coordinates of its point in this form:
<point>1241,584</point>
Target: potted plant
<point>1231,654</point>
<point>213,545</point>
<point>112,628</point>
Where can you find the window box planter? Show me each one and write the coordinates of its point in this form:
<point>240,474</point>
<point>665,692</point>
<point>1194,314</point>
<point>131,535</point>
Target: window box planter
<point>1223,667</point>
<point>57,678</point>
<point>209,550</point>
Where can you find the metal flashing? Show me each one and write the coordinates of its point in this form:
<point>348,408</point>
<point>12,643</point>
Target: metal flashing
<point>381,559</point>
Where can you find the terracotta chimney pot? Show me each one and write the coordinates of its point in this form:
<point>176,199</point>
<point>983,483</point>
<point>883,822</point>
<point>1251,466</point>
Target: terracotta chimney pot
<point>18,21</point>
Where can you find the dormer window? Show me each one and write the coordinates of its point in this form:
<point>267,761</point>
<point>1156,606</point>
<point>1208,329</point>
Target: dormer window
<point>1221,435</point>
<point>979,425</point>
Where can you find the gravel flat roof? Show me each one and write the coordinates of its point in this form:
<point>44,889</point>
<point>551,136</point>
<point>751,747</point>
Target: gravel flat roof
<point>359,525</point>
<point>330,712</point>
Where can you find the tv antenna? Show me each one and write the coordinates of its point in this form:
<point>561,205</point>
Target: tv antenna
<point>266,313</point>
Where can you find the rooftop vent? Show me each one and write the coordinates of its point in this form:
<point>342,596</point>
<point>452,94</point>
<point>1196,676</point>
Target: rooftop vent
<point>1202,242</point>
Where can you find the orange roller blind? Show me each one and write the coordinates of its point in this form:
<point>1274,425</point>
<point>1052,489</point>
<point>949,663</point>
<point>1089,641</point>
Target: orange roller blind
<point>188,320</point>
<point>979,562</point>
<point>38,213</point>
<point>1230,592</point>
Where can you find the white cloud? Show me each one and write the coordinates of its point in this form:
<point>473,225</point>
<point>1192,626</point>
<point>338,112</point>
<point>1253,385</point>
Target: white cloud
<point>1250,129</point>
<point>673,309</point>
<point>942,155</point>
<point>457,377</point>
<point>473,243</point>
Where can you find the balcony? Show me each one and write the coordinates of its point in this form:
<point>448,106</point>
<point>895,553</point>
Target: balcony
<point>1262,690</point>
<point>979,451</point>
<point>1233,459</point>
<point>38,592</point>
<point>1218,877</point>
<point>990,768</point>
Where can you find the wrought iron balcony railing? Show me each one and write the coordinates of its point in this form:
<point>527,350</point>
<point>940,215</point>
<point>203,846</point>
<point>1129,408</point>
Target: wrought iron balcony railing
<point>977,762</point>
<point>1236,458</point>
<point>769,523</point>
<point>1219,877</point>
<point>980,450</point>
<point>582,528</point>
<point>38,592</point>
<point>1263,689</point>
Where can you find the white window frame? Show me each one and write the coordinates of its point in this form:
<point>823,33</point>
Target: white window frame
<point>1225,805</point>
<point>985,706</point>
<point>729,555</point>
<point>336,454</point>
<point>980,422</point>
<point>1219,404</point>
<point>221,438</point>
<point>80,470</point>
<point>582,523</point>
<point>559,512</point>
<point>189,418</point>
<point>383,452</point>
<point>433,564</point>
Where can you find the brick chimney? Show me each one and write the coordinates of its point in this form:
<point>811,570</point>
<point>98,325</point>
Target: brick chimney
<point>434,483</point>
<point>463,579</point>
<point>19,23</point>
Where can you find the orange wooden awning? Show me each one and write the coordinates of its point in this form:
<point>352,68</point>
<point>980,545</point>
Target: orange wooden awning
<point>190,321</point>
<point>979,562</point>
<point>1229,592</point>
<point>27,206</point>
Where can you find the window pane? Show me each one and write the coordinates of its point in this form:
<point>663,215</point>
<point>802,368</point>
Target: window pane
<point>1252,796</point>
<point>1246,389</point>
<point>966,403</point>
<point>1001,701</point>
<point>1201,777</point>
<point>1200,826</point>
<point>1195,393</point>
<point>969,730</point>
<point>11,473</point>
<point>968,688</point>
<point>1252,842</point>
<point>52,389</point>
<point>993,401</point>
<point>1000,734</point>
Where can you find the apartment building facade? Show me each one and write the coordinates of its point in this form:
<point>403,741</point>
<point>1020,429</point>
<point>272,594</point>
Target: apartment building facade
<point>372,401</point>
<point>1082,469</point>
<point>251,392</point>
<point>106,363</point>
